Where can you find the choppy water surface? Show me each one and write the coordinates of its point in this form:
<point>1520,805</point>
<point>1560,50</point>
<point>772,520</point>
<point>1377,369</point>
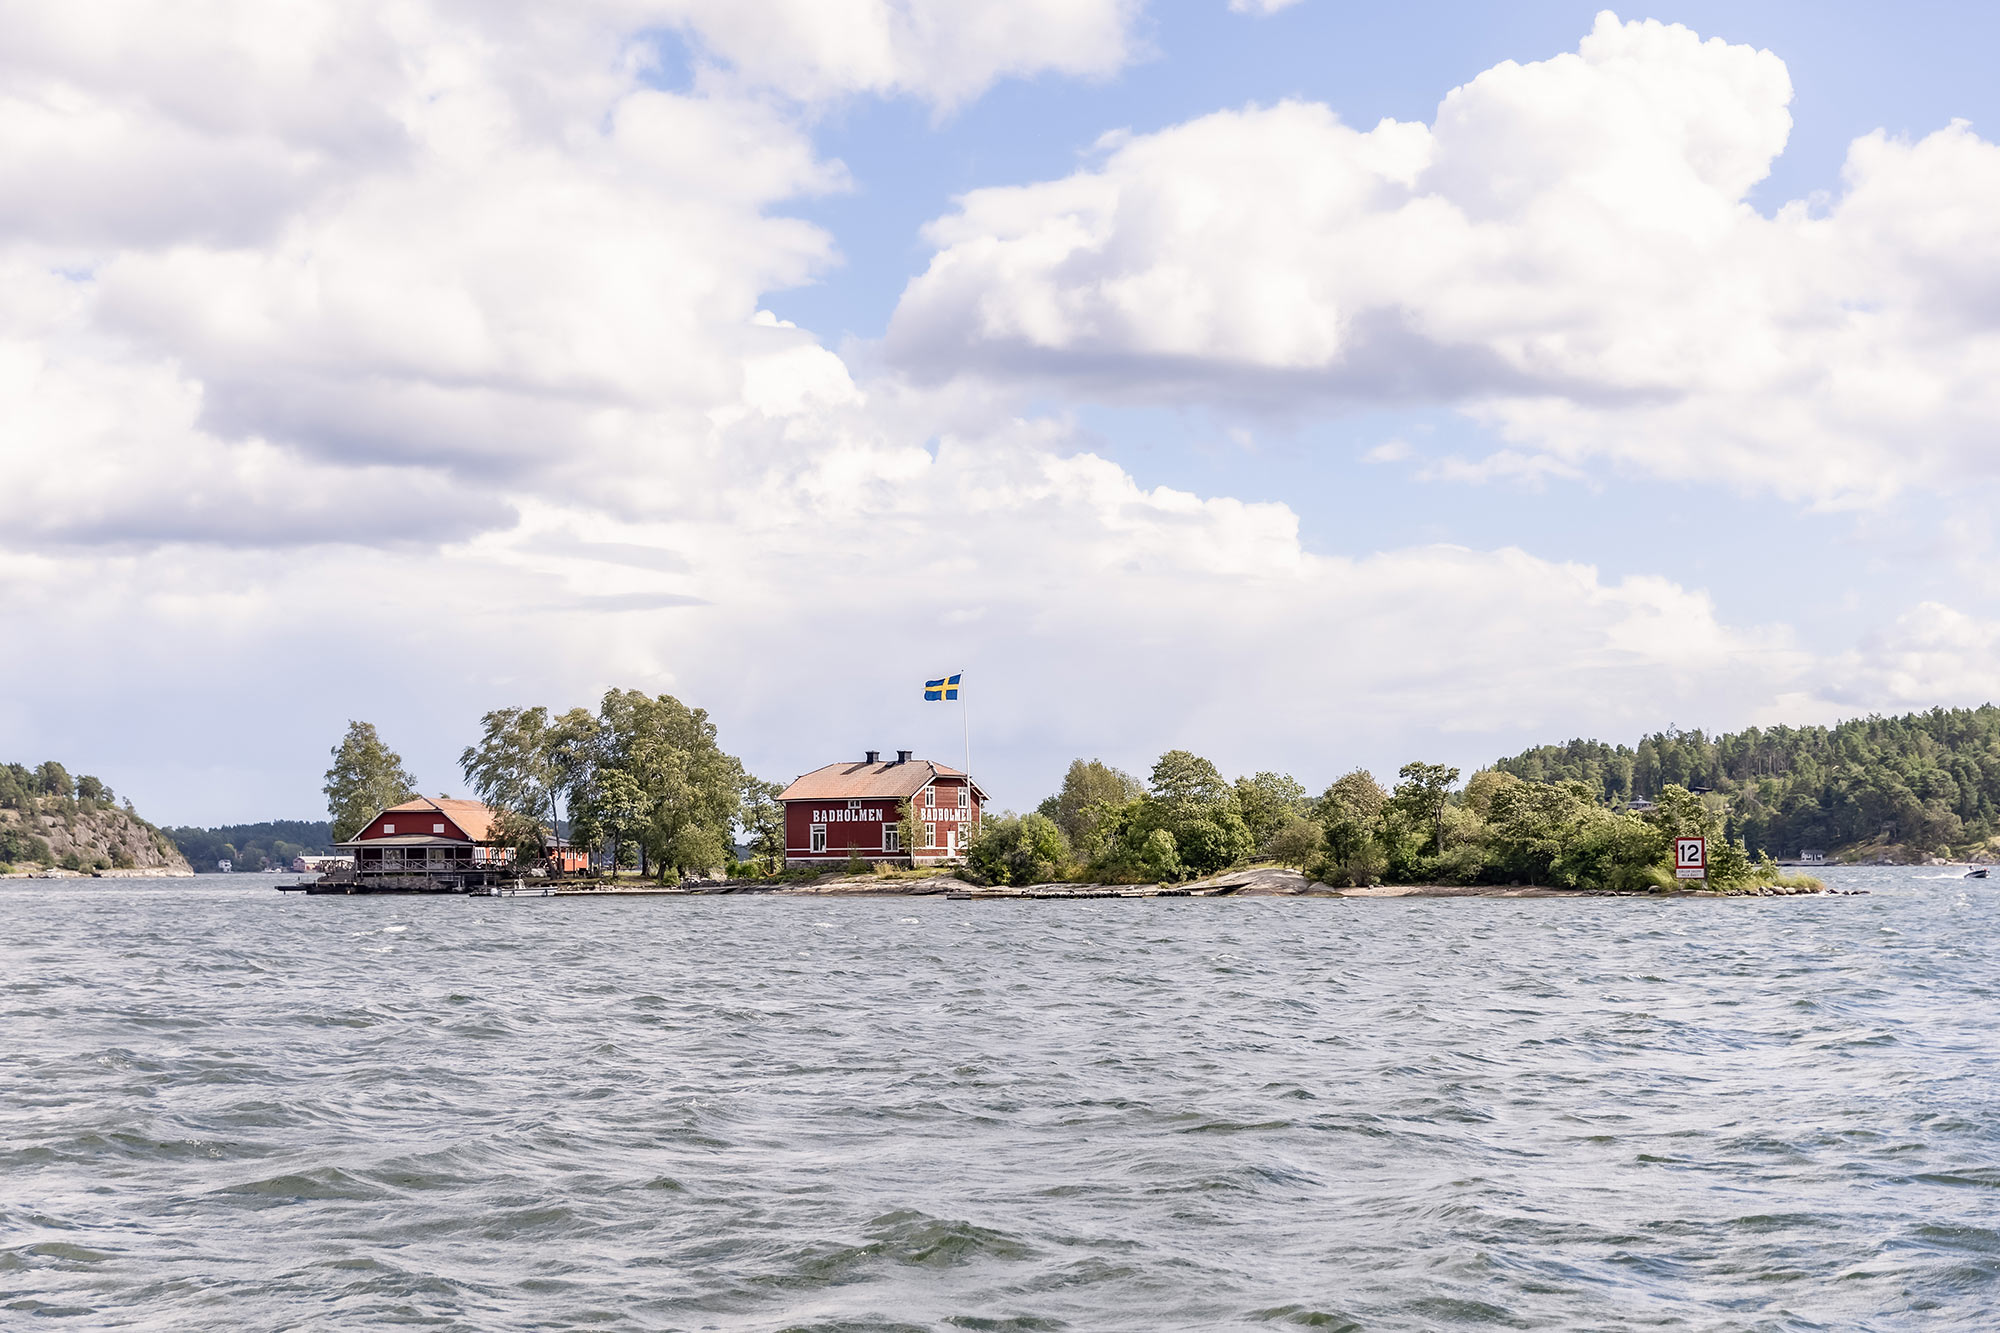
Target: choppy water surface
<point>223,1107</point>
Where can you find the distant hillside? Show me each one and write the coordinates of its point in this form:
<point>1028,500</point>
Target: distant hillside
<point>50,820</point>
<point>1905,787</point>
<point>253,846</point>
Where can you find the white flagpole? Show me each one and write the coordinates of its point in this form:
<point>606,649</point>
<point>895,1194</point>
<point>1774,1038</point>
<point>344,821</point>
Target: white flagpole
<point>965,717</point>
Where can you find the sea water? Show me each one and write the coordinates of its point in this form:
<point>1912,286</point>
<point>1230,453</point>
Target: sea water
<point>222,1107</point>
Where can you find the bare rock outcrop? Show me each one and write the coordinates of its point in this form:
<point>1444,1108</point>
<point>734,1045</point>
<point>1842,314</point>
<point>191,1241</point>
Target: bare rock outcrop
<point>83,835</point>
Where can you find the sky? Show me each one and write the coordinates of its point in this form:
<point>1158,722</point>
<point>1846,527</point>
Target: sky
<point>1312,385</point>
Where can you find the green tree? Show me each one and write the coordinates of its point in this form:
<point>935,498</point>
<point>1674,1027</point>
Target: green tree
<point>694,789</point>
<point>1528,824</point>
<point>545,770</point>
<point>89,788</point>
<point>1191,801</point>
<point>52,779</point>
<point>1609,851</point>
<point>1089,788</point>
<point>1677,813</point>
<point>575,744</point>
<point>1479,789</point>
<point>366,777</point>
<point>1269,802</point>
<point>1422,791</point>
<point>763,819</point>
<point>1350,811</point>
<point>513,768</point>
<point>1188,784</point>
<point>615,809</point>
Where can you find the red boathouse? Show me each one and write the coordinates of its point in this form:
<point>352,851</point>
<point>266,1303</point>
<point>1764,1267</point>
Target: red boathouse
<point>852,809</point>
<point>429,837</point>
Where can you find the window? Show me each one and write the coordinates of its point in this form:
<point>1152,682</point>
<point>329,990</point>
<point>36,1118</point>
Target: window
<point>388,828</point>
<point>819,837</point>
<point>965,797</point>
<point>892,838</point>
<point>437,828</point>
<point>930,795</point>
<point>930,835</point>
<point>854,805</point>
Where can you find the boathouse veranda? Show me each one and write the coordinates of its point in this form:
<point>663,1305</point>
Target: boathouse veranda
<point>426,844</point>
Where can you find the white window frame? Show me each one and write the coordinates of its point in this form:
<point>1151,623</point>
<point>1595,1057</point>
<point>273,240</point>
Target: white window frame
<point>930,835</point>
<point>388,828</point>
<point>892,838</point>
<point>930,795</point>
<point>854,805</point>
<point>816,840</point>
<point>437,828</point>
<point>964,797</point>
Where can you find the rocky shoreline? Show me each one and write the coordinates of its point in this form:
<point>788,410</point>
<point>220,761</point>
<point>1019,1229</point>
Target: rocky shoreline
<point>132,872</point>
<point>1261,882</point>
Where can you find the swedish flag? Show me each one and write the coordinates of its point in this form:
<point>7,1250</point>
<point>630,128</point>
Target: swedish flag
<point>935,690</point>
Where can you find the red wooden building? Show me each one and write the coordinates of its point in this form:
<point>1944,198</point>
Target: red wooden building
<point>852,809</point>
<point>428,836</point>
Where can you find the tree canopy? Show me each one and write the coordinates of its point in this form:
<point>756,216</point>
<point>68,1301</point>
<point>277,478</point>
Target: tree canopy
<point>1088,789</point>
<point>644,771</point>
<point>367,776</point>
<point>1925,781</point>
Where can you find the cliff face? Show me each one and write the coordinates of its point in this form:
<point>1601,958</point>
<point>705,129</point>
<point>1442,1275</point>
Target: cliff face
<point>63,831</point>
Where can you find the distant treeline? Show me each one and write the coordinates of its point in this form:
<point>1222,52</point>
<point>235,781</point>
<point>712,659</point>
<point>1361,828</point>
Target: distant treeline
<point>1187,820</point>
<point>253,846</point>
<point>1928,782</point>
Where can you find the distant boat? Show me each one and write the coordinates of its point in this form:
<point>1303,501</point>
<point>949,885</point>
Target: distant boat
<point>1979,873</point>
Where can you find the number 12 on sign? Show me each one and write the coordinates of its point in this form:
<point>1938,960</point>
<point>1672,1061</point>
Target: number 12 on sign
<point>1691,858</point>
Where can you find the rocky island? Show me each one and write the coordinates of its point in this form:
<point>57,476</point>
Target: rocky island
<point>53,824</point>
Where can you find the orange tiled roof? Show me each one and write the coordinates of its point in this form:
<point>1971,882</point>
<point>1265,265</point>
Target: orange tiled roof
<point>475,817</point>
<point>861,780</point>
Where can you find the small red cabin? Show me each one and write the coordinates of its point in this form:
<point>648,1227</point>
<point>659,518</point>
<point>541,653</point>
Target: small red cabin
<point>853,809</point>
<point>427,836</point>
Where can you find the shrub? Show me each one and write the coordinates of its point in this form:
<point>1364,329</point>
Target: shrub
<point>17,844</point>
<point>1017,849</point>
<point>1296,842</point>
<point>1160,858</point>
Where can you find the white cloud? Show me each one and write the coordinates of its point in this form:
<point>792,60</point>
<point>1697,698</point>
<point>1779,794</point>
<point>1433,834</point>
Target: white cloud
<point>945,51</point>
<point>1565,253</point>
<point>1931,652</point>
<point>1094,615</point>
<point>427,372</point>
<point>1260,7</point>
<point>419,236</point>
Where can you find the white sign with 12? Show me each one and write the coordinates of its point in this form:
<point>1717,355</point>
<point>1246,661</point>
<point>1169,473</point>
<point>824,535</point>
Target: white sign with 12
<point>1691,858</point>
